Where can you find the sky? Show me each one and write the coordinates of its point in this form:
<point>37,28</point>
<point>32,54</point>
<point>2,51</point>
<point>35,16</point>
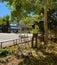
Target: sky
<point>3,9</point>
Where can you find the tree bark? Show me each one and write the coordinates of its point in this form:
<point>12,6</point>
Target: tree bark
<point>45,25</point>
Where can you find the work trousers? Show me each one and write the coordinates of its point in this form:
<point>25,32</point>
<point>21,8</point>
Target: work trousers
<point>34,39</point>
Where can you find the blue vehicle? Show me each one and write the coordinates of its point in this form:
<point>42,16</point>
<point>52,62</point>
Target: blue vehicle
<point>14,27</point>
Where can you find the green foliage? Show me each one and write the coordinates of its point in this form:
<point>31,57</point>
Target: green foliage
<point>31,19</point>
<point>26,20</point>
<point>52,21</point>
<point>1,20</point>
<point>5,23</point>
<point>4,52</point>
<point>21,8</point>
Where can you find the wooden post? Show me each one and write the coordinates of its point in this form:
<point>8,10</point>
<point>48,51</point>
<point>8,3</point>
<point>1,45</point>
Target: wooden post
<point>13,42</point>
<point>1,44</point>
<point>16,41</point>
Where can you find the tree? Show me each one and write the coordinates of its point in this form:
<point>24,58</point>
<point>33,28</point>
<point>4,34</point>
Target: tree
<point>5,23</point>
<point>52,24</point>
<point>22,8</point>
<point>47,6</point>
<point>1,20</point>
<point>30,19</point>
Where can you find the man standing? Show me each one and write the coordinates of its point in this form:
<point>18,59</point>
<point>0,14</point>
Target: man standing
<point>35,34</point>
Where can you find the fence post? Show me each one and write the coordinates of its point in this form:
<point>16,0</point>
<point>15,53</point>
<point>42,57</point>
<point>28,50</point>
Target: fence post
<point>13,42</point>
<point>1,44</point>
<point>16,41</point>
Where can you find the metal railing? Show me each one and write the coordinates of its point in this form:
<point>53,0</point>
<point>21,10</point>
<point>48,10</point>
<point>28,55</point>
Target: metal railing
<point>21,40</point>
<point>5,41</point>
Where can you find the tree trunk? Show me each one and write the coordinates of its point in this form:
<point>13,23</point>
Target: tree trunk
<point>45,25</point>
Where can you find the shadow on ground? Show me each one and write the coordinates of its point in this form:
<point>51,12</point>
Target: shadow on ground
<point>49,59</point>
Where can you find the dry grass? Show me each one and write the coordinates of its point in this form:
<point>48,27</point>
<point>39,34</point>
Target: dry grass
<point>43,55</point>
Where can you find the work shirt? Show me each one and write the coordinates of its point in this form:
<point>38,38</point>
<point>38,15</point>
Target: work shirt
<point>35,30</point>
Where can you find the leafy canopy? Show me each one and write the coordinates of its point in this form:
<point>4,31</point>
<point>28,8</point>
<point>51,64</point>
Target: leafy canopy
<point>21,8</point>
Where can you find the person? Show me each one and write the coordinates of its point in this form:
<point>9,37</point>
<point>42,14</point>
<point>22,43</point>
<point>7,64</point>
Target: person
<point>35,34</point>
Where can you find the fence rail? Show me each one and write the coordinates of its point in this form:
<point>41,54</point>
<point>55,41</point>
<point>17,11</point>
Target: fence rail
<point>5,41</point>
<point>23,39</point>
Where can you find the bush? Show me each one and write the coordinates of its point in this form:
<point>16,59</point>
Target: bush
<point>5,52</point>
